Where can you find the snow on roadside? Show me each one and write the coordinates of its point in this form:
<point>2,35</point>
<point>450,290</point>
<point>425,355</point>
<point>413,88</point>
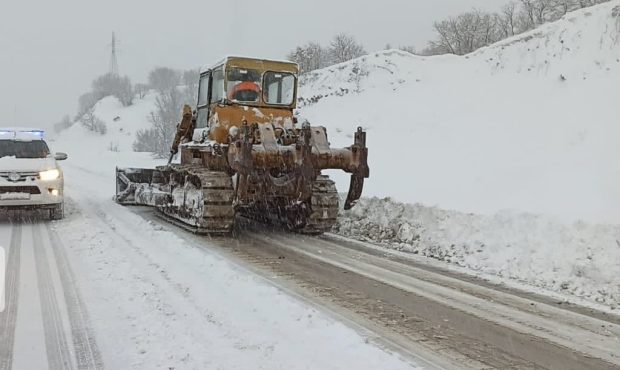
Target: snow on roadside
<point>580,259</point>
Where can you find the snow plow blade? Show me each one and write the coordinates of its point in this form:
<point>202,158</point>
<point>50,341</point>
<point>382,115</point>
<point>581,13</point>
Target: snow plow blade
<point>140,186</point>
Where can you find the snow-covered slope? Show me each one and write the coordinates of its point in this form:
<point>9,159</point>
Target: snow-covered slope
<point>529,124</point>
<point>103,152</point>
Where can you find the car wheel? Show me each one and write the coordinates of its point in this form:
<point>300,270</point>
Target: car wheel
<point>58,212</point>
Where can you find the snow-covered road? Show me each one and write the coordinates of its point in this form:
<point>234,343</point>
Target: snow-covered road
<point>117,287</point>
<point>45,323</point>
<point>105,287</point>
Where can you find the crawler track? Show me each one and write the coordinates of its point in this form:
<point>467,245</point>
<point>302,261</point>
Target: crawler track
<point>202,200</point>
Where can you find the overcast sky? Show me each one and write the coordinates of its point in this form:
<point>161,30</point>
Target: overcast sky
<point>50,51</point>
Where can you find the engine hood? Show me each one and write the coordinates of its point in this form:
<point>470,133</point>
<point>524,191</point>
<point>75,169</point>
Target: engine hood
<point>8,164</point>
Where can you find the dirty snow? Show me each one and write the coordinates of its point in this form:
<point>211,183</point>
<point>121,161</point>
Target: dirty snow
<point>579,261</point>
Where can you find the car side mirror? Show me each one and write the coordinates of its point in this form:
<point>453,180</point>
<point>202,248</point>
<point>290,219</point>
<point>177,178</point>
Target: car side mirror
<point>61,156</point>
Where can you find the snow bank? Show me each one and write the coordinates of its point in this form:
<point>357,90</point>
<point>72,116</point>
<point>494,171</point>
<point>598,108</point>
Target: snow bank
<point>529,124</point>
<point>580,259</point>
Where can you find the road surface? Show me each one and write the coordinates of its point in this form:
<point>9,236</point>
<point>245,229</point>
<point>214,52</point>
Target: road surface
<point>117,287</point>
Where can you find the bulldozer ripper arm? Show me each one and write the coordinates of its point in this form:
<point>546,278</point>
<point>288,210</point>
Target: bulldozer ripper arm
<point>303,160</point>
<point>361,172</point>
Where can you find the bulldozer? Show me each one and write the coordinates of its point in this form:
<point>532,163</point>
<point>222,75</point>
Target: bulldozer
<point>244,153</point>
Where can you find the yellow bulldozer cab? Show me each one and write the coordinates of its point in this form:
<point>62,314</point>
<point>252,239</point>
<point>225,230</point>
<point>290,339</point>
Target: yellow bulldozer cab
<point>238,89</point>
<point>255,82</point>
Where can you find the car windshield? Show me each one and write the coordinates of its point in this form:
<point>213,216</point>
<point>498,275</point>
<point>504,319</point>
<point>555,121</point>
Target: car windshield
<point>24,149</point>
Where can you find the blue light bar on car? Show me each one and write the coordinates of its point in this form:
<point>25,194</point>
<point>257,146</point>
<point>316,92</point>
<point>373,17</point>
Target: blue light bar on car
<point>16,133</point>
<point>38,133</point>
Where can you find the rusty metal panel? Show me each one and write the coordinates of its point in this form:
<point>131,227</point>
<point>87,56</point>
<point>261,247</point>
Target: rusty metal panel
<point>319,140</point>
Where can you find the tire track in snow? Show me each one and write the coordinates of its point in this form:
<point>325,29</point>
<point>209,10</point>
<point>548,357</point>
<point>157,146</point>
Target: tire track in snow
<point>58,354</point>
<point>87,352</point>
<point>9,316</point>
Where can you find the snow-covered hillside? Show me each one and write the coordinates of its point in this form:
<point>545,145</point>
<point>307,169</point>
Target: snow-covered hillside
<point>102,153</point>
<point>529,124</point>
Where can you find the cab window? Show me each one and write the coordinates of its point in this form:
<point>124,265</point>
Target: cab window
<point>279,88</point>
<point>217,86</point>
<point>243,85</point>
<point>203,90</point>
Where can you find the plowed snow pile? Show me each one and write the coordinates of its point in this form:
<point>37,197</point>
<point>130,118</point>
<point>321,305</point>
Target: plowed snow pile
<point>529,125</point>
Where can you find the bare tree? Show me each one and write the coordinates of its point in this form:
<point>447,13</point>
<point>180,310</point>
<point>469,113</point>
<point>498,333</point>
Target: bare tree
<point>124,91</point>
<point>158,138</point>
<point>90,121</point>
<point>168,105</point>
<point>111,84</point>
<point>86,101</point>
<point>465,33</point>
<point>344,47</point>
<point>309,57</point>
<point>472,30</point>
<point>190,80</point>
<point>507,19</point>
<point>163,79</point>
<point>141,90</point>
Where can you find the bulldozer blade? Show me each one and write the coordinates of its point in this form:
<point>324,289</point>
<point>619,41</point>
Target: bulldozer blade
<point>136,186</point>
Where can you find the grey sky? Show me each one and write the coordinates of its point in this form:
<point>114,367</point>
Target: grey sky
<point>50,51</point>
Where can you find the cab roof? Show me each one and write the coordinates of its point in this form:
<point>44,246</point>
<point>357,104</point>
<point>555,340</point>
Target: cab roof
<point>255,63</point>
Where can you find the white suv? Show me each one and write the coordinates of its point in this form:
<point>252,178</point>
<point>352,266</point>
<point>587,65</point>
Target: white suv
<point>29,175</point>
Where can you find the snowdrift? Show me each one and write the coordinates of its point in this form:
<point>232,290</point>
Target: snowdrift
<point>529,124</point>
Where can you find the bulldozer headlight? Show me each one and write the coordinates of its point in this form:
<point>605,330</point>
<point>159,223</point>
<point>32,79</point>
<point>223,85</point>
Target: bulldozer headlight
<point>49,175</point>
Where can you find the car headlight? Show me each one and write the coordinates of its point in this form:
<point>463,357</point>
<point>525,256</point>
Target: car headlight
<point>49,175</point>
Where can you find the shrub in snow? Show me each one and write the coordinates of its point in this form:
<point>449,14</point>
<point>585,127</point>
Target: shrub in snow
<point>147,140</point>
<point>141,90</point>
<point>113,147</point>
<point>93,123</point>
